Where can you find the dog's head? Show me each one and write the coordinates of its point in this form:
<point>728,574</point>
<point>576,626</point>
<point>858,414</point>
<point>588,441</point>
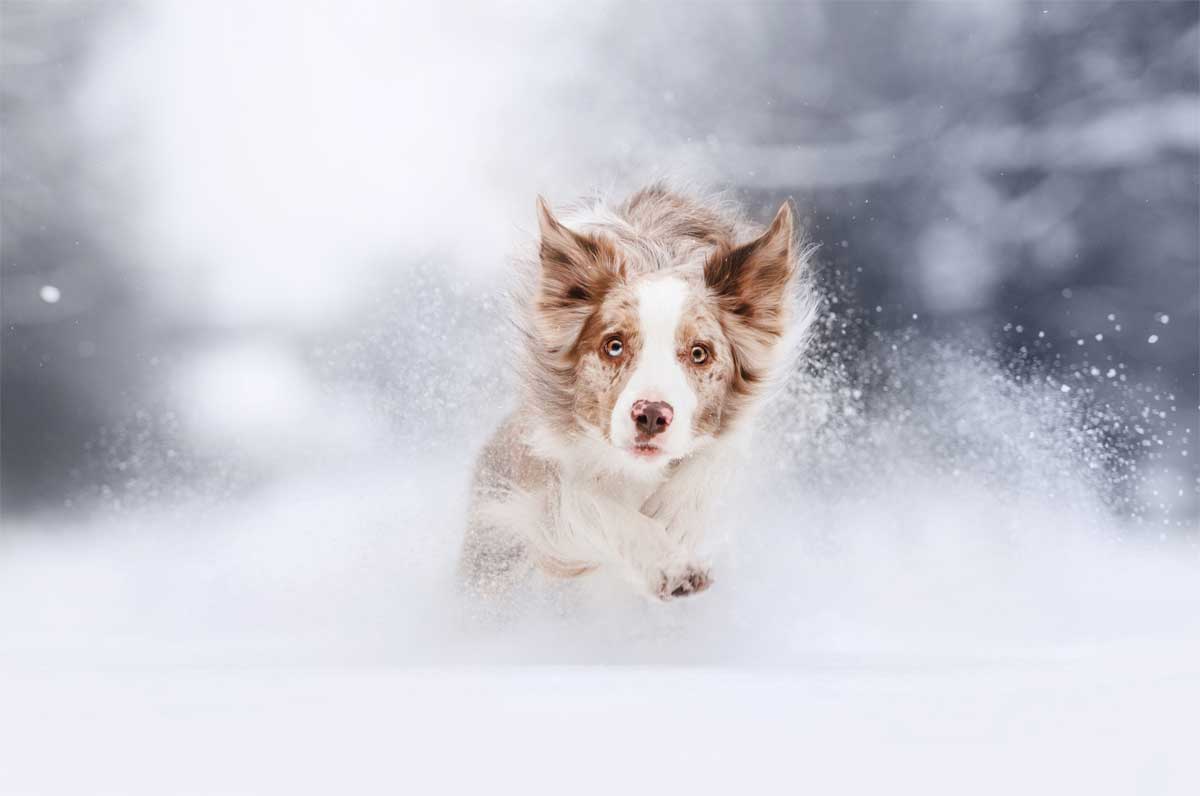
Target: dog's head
<point>657,360</point>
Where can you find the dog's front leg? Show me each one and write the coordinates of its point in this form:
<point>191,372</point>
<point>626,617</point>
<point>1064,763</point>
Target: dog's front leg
<point>639,545</point>
<point>683,503</point>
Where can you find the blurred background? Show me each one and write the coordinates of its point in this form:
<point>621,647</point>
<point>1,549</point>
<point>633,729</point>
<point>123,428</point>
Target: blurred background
<point>242,242</point>
<point>253,331</point>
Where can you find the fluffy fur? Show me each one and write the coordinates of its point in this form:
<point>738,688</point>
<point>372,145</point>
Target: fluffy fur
<point>651,331</point>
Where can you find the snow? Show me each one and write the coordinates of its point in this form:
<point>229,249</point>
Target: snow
<point>920,585</point>
<point>841,724</point>
<point>888,608</point>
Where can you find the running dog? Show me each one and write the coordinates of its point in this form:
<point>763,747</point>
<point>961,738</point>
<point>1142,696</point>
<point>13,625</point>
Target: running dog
<point>651,329</point>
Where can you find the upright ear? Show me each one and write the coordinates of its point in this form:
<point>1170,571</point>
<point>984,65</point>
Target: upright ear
<point>751,281</point>
<point>576,272</point>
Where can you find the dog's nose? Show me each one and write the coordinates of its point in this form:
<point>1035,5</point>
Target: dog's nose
<point>652,417</point>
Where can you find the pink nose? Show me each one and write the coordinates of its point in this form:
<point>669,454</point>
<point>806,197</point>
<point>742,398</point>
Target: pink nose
<point>652,417</point>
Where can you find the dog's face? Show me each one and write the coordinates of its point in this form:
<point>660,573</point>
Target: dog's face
<point>654,367</point>
<point>656,363</point>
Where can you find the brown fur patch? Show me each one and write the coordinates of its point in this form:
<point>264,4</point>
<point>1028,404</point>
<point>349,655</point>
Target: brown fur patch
<point>751,285</point>
<point>599,378</point>
<point>711,380</point>
<point>577,271</point>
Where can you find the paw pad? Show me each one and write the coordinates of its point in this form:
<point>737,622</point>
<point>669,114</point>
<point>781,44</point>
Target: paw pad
<point>692,580</point>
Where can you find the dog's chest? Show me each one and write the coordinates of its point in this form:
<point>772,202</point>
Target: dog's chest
<point>631,492</point>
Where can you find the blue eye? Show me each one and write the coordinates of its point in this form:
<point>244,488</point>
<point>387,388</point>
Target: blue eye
<point>614,347</point>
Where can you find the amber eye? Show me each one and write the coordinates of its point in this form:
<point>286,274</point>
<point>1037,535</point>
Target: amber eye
<point>699,354</point>
<point>614,347</point>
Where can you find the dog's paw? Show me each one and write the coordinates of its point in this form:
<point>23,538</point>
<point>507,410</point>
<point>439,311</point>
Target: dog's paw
<point>682,581</point>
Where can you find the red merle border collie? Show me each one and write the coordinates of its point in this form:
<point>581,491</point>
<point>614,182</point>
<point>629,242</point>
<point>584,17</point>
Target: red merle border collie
<point>651,330</point>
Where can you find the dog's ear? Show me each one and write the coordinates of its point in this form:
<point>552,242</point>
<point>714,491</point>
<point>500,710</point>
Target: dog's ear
<point>575,267</point>
<point>577,270</point>
<point>751,280</point>
<point>569,259</point>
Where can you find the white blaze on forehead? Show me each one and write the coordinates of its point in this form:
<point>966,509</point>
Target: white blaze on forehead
<point>660,307</point>
<point>658,374</point>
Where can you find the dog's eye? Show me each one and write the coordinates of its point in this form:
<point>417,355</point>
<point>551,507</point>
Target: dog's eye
<point>614,347</point>
<point>699,354</point>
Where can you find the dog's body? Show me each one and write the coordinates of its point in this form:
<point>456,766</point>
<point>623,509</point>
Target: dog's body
<point>651,330</point>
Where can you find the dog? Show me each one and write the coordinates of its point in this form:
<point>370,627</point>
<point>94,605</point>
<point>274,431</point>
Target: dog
<point>651,331</point>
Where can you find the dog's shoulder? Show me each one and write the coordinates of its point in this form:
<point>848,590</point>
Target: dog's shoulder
<point>508,460</point>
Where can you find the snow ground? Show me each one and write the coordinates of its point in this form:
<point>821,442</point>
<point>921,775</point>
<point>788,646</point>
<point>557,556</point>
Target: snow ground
<point>1100,723</point>
<point>306,639</point>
